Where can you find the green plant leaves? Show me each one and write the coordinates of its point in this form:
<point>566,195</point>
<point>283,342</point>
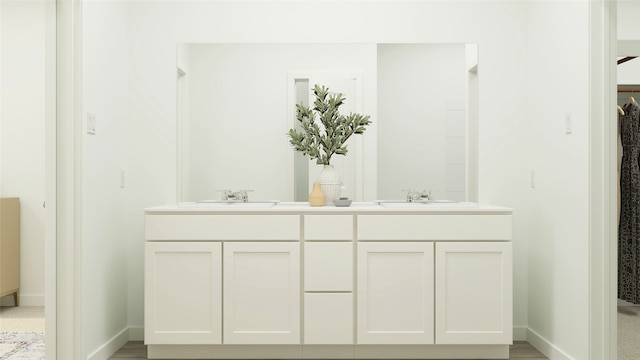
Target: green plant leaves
<point>322,143</point>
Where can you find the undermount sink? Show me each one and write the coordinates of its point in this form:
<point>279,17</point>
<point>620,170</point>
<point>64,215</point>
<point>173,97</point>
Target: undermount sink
<point>257,204</point>
<point>403,204</point>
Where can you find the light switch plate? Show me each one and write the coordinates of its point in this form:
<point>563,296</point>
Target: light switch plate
<point>91,123</point>
<point>533,179</point>
<point>568,123</point>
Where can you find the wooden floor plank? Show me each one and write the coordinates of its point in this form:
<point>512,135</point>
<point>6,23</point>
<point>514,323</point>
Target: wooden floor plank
<point>519,350</point>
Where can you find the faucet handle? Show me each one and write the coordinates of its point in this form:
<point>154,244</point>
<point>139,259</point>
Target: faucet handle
<point>426,195</point>
<point>415,195</point>
<point>226,194</point>
<point>241,195</point>
<point>412,195</point>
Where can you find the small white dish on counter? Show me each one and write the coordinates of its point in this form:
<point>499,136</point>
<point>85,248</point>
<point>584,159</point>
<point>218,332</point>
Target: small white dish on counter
<point>342,202</point>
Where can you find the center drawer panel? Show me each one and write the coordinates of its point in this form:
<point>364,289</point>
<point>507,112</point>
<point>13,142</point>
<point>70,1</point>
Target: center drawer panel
<point>328,227</point>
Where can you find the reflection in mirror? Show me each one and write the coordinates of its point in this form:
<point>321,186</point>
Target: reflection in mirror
<point>300,161</point>
<point>421,120</point>
<point>236,103</point>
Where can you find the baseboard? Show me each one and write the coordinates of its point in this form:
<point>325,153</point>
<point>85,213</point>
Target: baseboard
<point>25,300</point>
<point>545,347</point>
<point>110,347</point>
<point>625,303</point>
<point>296,352</point>
<point>136,333</point>
<point>519,333</point>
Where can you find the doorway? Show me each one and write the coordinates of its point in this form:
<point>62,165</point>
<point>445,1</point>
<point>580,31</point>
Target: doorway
<point>628,311</point>
<point>305,172</point>
<point>28,89</point>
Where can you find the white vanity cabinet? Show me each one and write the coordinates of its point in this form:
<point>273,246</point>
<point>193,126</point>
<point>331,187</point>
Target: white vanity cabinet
<point>186,256</point>
<point>471,284</point>
<point>295,282</point>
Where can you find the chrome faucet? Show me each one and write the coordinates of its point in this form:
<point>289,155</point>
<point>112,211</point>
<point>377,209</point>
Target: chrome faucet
<point>226,195</point>
<point>237,196</point>
<point>413,195</point>
<point>241,195</point>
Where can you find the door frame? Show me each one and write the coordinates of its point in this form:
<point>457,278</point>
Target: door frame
<point>621,48</point>
<point>358,145</point>
<point>50,178</point>
<point>64,189</point>
<point>62,195</point>
<point>602,210</point>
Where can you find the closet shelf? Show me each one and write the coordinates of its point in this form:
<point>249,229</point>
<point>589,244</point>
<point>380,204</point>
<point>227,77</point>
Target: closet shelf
<point>625,59</point>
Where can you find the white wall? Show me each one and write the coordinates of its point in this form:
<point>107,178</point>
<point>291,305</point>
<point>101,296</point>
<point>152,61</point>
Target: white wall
<point>629,30</point>
<point>555,215</point>
<point>518,108</point>
<point>629,72</point>
<point>104,240</point>
<point>532,71</point>
<point>628,24</point>
<point>22,116</point>
<point>157,27</point>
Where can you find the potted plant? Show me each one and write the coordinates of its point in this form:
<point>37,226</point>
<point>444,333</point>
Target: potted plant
<point>323,133</point>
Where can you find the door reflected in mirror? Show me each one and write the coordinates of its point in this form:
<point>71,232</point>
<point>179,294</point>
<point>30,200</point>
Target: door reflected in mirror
<point>236,103</point>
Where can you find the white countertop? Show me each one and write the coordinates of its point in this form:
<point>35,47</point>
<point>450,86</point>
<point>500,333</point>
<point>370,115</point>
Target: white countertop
<point>305,208</point>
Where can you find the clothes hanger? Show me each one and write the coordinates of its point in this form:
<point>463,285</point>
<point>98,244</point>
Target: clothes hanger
<point>620,111</point>
<point>631,100</point>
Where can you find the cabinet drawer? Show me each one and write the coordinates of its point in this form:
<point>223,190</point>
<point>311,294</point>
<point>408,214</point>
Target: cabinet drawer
<point>222,227</point>
<point>434,227</point>
<point>328,266</point>
<point>328,319</point>
<point>328,227</point>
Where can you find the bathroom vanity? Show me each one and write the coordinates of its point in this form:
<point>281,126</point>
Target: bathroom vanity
<point>368,281</point>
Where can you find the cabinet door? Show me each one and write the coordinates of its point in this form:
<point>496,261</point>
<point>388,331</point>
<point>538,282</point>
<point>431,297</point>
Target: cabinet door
<point>261,293</point>
<point>183,284</point>
<point>395,293</point>
<point>473,293</point>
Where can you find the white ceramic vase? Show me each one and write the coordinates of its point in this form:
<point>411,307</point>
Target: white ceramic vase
<point>331,184</point>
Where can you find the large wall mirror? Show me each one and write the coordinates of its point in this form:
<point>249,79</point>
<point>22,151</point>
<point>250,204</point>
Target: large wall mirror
<point>236,103</point>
